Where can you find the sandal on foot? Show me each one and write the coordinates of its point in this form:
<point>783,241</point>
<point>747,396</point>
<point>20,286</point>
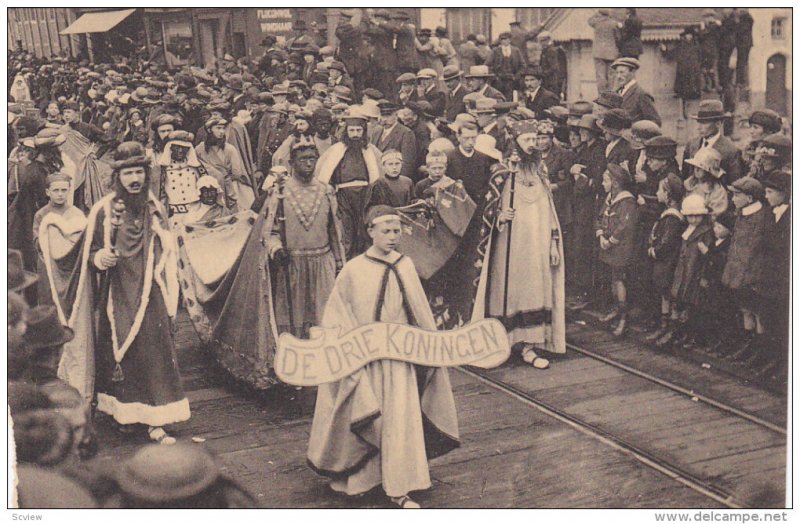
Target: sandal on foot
<point>404,502</point>
<point>127,429</point>
<point>160,436</point>
<point>530,357</point>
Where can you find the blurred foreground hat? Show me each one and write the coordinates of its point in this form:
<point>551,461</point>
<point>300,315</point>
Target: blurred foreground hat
<point>160,474</point>
<point>18,278</point>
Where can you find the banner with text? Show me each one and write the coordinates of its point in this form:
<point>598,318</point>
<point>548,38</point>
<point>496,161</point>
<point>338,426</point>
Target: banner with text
<point>328,355</point>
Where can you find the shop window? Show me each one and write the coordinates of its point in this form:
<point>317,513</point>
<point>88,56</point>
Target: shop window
<point>177,42</point>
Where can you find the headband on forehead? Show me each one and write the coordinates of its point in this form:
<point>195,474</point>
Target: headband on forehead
<point>58,177</point>
<point>384,218</point>
<point>381,213</point>
<point>391,154</point>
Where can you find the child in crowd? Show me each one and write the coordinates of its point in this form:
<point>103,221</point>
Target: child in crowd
<point>775,285</point>
<point>692,258</point>
<point>436,166</point>
<point>615,231</point>
<point>718,311</point>
<point>746,260</point>
<point>399,186</point>
<point>664,246</point>
<point>705,180</point>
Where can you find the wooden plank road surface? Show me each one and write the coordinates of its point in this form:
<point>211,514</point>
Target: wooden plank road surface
<point>512,455</point>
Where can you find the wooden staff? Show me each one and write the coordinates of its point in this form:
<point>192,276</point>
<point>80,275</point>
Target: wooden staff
<point>513,168</point>
<point>281,217</point>
<point>117,211</point>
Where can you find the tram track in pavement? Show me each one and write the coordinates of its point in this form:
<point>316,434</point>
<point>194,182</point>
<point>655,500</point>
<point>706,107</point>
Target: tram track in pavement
<point>631,444</point>
<point>676,473</point>
<point>692,394</point>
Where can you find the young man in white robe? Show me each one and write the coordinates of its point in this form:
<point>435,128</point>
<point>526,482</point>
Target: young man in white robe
<point>58,229</point>
<point>380,425</point>
<point>529,299</point>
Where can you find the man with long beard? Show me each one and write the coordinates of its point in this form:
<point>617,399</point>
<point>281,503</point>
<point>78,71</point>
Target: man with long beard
<point>225,164</point>
<point>128,243</point>
<point>161,126</point>
<point>522,285</point>
<point>351,167</point>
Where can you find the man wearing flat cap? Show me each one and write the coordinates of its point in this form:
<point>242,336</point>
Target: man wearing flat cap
<point>393,135</point>
<point>427,89</point>
<point>533,95</point>
<point>505,62</point>
<point>337,76</point>
<point>639,104</point>
<point>709,129</point>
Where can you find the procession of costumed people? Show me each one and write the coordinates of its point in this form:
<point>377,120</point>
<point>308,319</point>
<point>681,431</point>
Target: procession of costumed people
<point>394,178</point>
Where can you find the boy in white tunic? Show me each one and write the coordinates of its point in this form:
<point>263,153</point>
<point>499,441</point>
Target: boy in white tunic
<point>380,425</point>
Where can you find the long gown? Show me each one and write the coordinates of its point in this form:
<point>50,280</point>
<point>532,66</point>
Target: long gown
<point>378,426</point>
<point>535,305</point>
<point>59,235</point>
<point>137,377</point>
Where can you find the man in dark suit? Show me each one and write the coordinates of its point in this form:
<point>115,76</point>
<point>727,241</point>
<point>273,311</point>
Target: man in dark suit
<point>427,90</point>
<point>381,32</point>
<point>455,93</point>
<point>587,173</point>
<point>709,128</point>
<point>397,136</point>
<point>478,80</point>
<point>639,104</point>
<point>505,62</point>
<point>558,161</point>
<point>553,64</point>
<point>534,96</point>
<point>337,76</point>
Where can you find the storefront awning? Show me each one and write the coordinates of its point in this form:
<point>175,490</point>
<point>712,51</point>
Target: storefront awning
<point>97,22</point>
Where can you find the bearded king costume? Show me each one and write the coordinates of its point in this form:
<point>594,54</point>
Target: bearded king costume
<point>352,171</point>
<point>535,306</point>
<point>137,378</point>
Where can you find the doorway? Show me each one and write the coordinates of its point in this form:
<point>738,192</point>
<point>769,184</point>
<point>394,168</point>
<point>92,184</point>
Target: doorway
<point>776,95</point>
